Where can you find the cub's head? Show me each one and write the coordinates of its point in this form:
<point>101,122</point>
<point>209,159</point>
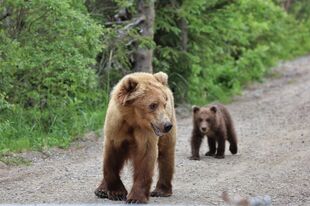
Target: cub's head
<point>205,118</point>
<point>146,100</point>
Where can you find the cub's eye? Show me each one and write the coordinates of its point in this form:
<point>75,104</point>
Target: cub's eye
<point>153,106</point>
<point>208,120</point>
<point>200,119</point>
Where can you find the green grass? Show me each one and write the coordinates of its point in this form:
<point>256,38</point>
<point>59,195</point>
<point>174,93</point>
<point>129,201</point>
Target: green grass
<point>22,130</point>
<point>14,161</point>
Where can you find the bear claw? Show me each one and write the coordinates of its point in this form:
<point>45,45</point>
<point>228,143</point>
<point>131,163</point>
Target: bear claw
<point>117,196</point>
<point>159,193</point>
<point>133,201</point>
<point>101,193</point>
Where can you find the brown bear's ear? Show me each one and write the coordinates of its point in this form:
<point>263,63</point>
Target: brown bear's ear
<point>162,77</point>
<point>128,87</point>
<point>213,109</point>
<point>130,84</point>
<point>195,108</point>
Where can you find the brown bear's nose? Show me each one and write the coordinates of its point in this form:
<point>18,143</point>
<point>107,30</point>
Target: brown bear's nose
<point>167,127</point>
<point>203,129</point>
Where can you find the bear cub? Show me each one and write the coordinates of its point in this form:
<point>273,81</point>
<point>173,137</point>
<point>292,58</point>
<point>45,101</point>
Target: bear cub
<point>215,122</point>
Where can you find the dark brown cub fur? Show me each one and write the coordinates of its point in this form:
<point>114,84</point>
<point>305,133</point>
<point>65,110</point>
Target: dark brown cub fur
<point>215,122</point>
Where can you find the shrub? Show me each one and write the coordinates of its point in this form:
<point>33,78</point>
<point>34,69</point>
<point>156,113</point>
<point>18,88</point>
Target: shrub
<point>49,88</point>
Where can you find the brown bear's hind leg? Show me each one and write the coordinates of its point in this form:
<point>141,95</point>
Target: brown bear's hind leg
<point>212,146</point>
<point>166,170</point>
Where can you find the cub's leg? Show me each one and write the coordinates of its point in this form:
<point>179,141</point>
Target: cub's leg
<point>111,186</point>
<point>195,145</point>
<point>212,146</point>
<point>220,154</point>
<point>166,149</point>
<point>231,133</point>
<point>232,139</point>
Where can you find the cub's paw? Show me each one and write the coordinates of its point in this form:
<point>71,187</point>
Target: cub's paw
<point>233,149</point>
<point>219,156</point>
<point>194,158</point>
<point>117,195</point>
<point>101,193</point>
<point>160,193</point>
<point>210,154</point>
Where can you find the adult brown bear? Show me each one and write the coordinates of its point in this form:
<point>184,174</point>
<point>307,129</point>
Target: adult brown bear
<point>216,123</point>
<point>140,125</point>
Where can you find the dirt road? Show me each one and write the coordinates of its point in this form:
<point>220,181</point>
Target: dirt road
<point>273,124</point>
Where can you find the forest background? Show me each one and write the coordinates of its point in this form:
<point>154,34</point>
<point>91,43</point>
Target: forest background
<point>60,59</point>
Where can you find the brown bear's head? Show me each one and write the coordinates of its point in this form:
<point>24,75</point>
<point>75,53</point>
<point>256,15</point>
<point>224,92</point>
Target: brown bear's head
<point>205,118</point>
<point>145,98</point>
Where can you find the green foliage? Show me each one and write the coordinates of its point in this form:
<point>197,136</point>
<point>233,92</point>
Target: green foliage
<point>48,89</point>
<point>231,43</point>
<point>59,58</point>
<point>37,129</point>
<point>64,41</point>
<point>300,9</point>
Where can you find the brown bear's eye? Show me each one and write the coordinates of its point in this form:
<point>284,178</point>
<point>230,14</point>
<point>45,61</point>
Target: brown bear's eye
<point>153,106</point>
<point>208,120</point>
<point>200,119</point>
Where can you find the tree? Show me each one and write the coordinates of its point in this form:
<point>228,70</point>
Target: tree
<point>143,57</point>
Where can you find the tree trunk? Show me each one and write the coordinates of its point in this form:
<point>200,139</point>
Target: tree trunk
<point>143,57</point>
<point>184,34</point>
<point>287,4</point>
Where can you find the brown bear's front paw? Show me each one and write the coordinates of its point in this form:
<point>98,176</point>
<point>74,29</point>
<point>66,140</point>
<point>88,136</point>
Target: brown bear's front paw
<point>210,153</point>
<point>194,158</point>
<point>117,195</point>
<point>135,201</point>
<point>160,193</point>
<point>137,197</point>
<point>219,156</point>
<point>101,193</point>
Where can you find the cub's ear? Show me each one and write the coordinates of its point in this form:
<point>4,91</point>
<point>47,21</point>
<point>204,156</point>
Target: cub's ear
<point>213,109</point>
<point>127,90</point>
<point>161,77</point>
<point>195,109</point>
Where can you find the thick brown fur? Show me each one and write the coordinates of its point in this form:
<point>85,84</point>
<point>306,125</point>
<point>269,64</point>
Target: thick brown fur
<point>140,125</point>
<point>215,122</point>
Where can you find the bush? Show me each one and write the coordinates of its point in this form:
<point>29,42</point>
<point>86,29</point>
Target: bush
<point>46,52</point>
<point>231,43</point>
<point>59,58</point>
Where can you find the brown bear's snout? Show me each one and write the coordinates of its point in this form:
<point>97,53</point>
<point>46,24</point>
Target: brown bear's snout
<point>161,129</point>
<point>167,127</point>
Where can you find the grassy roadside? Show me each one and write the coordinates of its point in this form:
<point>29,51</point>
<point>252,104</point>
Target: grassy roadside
<point>22,130</point>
